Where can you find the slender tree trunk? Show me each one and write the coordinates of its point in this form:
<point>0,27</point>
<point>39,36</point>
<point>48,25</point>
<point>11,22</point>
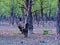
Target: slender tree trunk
<point>41,10</point>
<point>11,13</point>
<point>58,18</point>
<point>25,11</point>
<point>49,10</point>
<point>35,14</point>
<point>36,18</point>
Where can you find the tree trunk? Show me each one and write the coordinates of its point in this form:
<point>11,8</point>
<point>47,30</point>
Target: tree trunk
<point>11,13</point>
<point>25,11</point>
<point>41,10</point>
<point>29,17</point>
<point>49,11</point>
<point>35,14</point>
<point>58,20</point>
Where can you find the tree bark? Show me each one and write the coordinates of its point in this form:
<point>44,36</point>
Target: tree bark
<point>29,17</point>
<point>41,10</point>
<point>35,15</point>
<point>58,17</point>
<point>11,13</point>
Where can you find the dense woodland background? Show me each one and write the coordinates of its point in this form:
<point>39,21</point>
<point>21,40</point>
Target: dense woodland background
<point>29,11</point>
<point>49,7</point>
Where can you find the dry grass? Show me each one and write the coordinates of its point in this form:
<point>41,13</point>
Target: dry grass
<point>9,32</point>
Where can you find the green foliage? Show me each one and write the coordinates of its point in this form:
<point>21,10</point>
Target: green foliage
<point>45,32</point>
<point>4,7</point>
<point>47,4</point>
<point>17,4</point>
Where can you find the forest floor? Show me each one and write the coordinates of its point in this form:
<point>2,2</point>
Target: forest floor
<point>10,35</point>
<point>34,39</point>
